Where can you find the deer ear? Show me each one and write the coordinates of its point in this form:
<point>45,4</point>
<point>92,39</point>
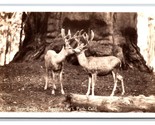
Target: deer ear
<point>63,33</point>
<point>92,35</point>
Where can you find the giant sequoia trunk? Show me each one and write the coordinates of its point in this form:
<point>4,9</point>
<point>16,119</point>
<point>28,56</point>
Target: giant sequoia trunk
<point>115,34</point>
<point>33,46</point>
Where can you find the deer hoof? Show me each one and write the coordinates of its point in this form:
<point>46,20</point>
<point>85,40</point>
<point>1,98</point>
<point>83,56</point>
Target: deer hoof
<point>62,92</point>
<point>45,87</point>
<point>122,93</point>
<point>112,95</point>
<point>53,92</point>
<point>87,94</point>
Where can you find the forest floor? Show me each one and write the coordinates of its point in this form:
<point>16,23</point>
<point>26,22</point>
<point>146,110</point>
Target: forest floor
<point>22,87</point>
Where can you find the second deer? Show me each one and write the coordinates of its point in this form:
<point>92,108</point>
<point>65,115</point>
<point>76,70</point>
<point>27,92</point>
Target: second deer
<point>95,65</point>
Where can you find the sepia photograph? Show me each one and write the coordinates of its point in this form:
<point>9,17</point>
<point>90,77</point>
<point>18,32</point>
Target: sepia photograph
<point>77,62</point>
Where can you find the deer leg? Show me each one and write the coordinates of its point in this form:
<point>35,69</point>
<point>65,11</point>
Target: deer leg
<point>122,83</point>
<point>123,90</point>
<point>54,80</point>
<point>46,79</point>
<point>89,84</point>
<point>93,83</point>
<point>62,90</point>
<point>115,83</point>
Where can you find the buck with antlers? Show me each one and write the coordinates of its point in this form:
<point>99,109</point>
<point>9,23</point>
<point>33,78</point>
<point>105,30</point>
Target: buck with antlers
<point>54,61</point>
<point>95,65</point>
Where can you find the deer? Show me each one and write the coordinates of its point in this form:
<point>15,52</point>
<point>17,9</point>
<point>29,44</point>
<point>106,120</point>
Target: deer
<point>96,65</point>
<point>54,62</point>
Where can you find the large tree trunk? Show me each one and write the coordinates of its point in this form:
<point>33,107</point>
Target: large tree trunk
<point>111,104</point>
<point>10,35</point>
<point>115,34</point>
<point>146,40</point>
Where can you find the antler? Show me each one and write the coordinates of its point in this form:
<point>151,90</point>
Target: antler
<point>92,35</point>
<point>69,34</point>
<point>63,33</point>
<point>80,32</point>
<point>85,36</point>
<point>78,35</point>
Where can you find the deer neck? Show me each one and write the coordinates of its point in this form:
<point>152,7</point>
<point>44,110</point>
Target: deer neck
<point>61,55</point>
<point>82,59</point>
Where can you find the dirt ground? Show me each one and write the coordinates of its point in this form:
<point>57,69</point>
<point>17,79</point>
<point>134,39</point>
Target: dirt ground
<point>22,87</point>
